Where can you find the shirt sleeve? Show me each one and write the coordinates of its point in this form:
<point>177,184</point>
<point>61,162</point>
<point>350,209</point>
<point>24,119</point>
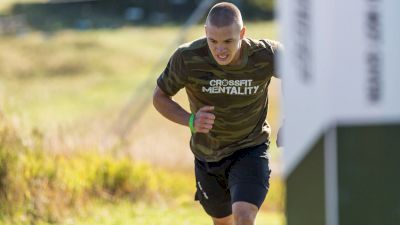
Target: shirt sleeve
<point>277,50</point>
<point>174,76</point>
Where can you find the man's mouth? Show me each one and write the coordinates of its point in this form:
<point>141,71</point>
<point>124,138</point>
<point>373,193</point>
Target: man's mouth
<point>222,57</point>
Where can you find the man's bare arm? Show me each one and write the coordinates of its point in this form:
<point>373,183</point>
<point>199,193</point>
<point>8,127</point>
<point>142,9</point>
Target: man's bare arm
<point>171,110</point>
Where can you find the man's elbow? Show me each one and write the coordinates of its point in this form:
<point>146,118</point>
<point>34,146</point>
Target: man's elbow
<point>155,96</point>
<point>158,95</point>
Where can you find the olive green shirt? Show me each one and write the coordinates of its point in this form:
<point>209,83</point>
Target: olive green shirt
<point>238,93</point>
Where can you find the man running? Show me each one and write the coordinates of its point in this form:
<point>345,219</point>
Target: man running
<point>226,77</point>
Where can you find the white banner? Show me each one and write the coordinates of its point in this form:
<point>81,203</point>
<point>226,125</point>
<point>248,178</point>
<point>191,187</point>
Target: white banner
<point>365,79</point>
<point>341,65</point>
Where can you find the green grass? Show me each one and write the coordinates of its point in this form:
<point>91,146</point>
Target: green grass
<point>5,5</point>
<point>186,213</point>
<point>125,212</point>
<point>59,78</point>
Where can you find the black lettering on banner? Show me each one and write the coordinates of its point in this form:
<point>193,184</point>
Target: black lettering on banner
<point>374,82</point>
<point>302,51</point>
<point>374,57</point>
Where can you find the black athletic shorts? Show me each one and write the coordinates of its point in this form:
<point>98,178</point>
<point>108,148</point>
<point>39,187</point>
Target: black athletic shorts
<point>243,176</point>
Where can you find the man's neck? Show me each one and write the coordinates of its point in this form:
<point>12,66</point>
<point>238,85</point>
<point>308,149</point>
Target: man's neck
<point>237,60</point>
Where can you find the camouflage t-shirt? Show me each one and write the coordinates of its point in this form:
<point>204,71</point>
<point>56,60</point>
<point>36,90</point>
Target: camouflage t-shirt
<point>239,94</point>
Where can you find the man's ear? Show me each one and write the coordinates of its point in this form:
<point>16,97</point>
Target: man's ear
<point>205,29</point>
<point>242,32</point>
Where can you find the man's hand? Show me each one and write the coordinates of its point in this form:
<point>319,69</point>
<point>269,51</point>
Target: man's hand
<point>204,119</point>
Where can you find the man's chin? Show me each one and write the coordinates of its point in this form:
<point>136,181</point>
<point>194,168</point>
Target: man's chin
<point>223,63</point>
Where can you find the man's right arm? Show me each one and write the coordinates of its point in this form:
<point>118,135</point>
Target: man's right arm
<point>171,110</point>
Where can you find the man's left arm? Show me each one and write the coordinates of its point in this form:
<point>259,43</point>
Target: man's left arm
<point>277,50</point>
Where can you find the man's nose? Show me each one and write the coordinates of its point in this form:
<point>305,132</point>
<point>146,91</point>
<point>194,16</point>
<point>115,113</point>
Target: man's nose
<point>220,49</point>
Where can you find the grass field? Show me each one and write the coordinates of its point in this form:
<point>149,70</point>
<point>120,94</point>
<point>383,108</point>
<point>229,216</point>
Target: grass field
<point>145,214</point>
<point>141,213</point>
<point>69,87</point>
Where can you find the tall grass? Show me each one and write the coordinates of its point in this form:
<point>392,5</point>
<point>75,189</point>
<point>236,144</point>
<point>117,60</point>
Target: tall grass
<point>39,186</point>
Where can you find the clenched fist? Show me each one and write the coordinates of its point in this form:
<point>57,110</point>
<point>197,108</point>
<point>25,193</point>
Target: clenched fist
<point>204,119</point>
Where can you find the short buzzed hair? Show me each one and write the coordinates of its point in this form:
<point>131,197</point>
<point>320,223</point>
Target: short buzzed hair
<point>224,14</point>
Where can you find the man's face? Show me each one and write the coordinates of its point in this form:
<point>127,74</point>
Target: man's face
<point>225,43</point>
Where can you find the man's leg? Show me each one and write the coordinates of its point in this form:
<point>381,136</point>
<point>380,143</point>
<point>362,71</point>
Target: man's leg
<point>249,184</point>
<point>213,193</point>
<point>244,213</point>
<point>223,221</point>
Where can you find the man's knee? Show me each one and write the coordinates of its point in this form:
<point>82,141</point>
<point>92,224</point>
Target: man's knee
<point>244,213</point>
<point>223,221</point>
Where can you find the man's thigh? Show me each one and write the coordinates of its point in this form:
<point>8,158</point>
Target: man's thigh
<point>249,176</point>
<point>212,192</point>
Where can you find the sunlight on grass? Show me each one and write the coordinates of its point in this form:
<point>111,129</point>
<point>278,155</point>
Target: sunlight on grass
<point>5,5</point>
<point>189,213</point>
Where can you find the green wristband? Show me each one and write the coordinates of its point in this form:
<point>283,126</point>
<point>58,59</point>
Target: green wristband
<point>191,123</point>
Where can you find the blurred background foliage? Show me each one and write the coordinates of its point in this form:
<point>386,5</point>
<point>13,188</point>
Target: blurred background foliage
<point>36,186</point>
<point>95,14</point>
